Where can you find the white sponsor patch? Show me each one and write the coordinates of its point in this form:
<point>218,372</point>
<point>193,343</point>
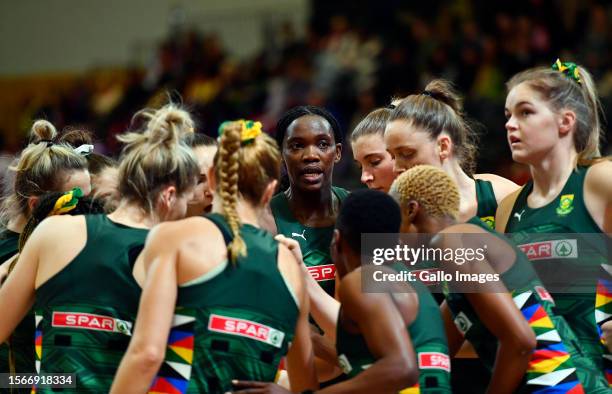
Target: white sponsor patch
<point>246,328</point>
<point>90,321</point>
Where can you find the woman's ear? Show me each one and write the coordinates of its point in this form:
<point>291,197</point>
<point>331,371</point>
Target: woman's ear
<point>411,210</point>
<point>567,120</point>
<point>168,196</point>
<point>32,203</point>
<point>444,146</point>
<point>268,193</point>
<point>212,179</point>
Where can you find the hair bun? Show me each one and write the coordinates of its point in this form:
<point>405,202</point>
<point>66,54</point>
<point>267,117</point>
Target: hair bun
<point>42,130</point>
<point>442,90</point>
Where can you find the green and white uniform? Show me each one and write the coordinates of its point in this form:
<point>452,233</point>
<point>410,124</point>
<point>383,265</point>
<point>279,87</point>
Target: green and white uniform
<point>429,341</point>
<point>314,241</point>
<point>560,238</point>
<point>235,322</point>
<point>557,365</point>
<point>85,313</point>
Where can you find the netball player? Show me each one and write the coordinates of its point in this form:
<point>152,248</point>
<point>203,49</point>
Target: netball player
<point>76,271</point>
<point>509,320</point>
<point>429,128</point>
<point>223,300</point>
<point>553,127</point>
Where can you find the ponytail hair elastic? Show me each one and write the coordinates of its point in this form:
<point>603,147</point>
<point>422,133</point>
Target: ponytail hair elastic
<point>48,142</point>
<point>67,202</point>
<point>249,130</point>
<point>84,150</point>
<point>569,69</point>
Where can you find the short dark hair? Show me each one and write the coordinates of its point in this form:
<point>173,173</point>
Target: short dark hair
<point>367,211</point>
<point>304,110</point>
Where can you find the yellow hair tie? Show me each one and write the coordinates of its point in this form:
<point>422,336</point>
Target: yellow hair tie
<point>249,130</point>
<point>569,69</point>
<point>67,202</point>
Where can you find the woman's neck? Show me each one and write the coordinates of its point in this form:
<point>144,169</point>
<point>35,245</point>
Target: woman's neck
<point>466,184</point>
<point>551,173</point>
<point>247,214</point>
<point>17,224</point>
<point>132,215</point>
<point>308,204</point>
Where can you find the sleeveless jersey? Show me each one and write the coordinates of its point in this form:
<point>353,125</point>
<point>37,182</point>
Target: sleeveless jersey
<point>557,364</point>
<point>314,241</point>
<point>84,313</point>
<point>429,341</point>
<point>9,242</point>
<point>234,324</point>
<point>487,204</point>
<point>552,238</point>
<point>21,347</point>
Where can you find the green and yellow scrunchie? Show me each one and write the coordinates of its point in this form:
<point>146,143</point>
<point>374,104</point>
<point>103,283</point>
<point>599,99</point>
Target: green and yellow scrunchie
<point>250,130</point>
<point>67,202</point>
<point>569,69</point>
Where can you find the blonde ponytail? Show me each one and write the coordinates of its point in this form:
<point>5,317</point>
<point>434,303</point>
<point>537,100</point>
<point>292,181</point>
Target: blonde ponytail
<point>157,157</point>
<point>41,167</point>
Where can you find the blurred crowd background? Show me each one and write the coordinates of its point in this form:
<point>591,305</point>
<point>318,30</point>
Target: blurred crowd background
<point>349,56</point>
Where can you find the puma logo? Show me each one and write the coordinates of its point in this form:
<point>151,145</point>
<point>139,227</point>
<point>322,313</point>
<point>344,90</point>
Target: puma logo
<point>299,235</point>
<point>518,215</point>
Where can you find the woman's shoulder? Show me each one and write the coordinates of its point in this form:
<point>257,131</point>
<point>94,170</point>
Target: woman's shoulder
<point>502,187</point>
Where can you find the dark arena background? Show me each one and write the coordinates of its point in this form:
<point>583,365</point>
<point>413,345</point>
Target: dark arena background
<point>93,64</point>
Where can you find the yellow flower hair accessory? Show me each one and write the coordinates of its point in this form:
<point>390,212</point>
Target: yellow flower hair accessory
<point>67,202</point>
<point>570,70</point>
<point>249,130</point>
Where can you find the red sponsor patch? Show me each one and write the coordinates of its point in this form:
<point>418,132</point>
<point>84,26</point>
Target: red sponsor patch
<point>537,250</point>
<point>434,360</point>
<point>246,328</point>
<point>557,249</point>
<point>90,321</point>
<point>544,294</point>
<point>322,272</point>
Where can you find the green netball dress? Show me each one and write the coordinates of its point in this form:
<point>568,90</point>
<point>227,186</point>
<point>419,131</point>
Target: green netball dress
<point>559,238</point>
<point>21,347</point>
<point>84,313</point>
<point>314,241</point>
<point>487,204</point>
<point>233,323</point>
<point>9,242</point>
<point>429,341</point>
<point>557,365</point>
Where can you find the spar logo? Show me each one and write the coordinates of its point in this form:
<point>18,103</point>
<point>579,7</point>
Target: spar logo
<point>90,321</point>
<point>246,328</point>
<point>557,249</point>
<point>322,272</point>
<point>434,360</point>
<point>462,322</point>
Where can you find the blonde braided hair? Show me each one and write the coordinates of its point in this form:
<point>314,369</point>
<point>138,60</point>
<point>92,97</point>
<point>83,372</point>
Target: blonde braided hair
<point>229,165</point>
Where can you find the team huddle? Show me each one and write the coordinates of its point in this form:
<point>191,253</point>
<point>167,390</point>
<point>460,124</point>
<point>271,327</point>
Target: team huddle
<point>195,265</point>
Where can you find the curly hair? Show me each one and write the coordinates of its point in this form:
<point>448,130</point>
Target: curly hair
<point>431,187</point>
